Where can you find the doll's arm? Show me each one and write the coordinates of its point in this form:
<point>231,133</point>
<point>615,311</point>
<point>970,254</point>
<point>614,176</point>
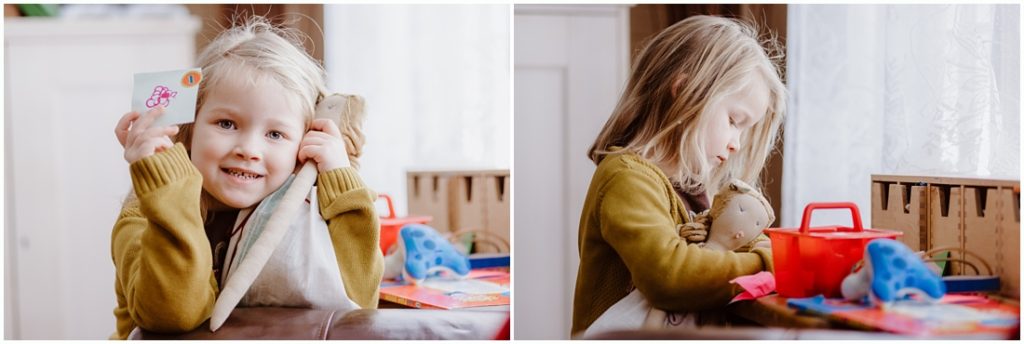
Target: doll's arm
<point>761,241</point>
<point>696,232</point>
<point>164,274</point>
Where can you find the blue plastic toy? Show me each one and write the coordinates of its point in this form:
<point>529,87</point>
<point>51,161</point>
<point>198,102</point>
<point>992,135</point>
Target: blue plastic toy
<point>891,272</point>
<point>422,252</point>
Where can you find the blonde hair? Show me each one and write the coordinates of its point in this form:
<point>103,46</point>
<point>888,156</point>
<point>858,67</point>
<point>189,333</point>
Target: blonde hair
<point>255,49</point>
<point>676,77</point>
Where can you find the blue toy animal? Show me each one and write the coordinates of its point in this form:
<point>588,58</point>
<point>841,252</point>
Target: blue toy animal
<point>421,252</point>
<point>891,272</point>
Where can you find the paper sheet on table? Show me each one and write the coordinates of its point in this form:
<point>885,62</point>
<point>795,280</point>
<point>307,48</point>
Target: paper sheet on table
<point>754,286</point>
<point>467,286</point>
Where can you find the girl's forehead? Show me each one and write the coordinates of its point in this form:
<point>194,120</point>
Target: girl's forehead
<point>262,97</point>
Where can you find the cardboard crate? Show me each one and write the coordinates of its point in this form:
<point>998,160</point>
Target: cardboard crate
<point>464,200</point>
<point>468,206</point>
<point>901,207</point>
<point>497,207</point>
<point>992,230</point>
<point>945,220</point>
<point>428,195</point>
<point>979,215</point>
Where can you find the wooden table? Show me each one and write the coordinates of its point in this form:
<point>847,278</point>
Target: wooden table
<point>772,311</point>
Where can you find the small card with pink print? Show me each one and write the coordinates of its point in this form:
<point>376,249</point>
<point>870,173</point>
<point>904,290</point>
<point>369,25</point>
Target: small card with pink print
<point>175,90</point>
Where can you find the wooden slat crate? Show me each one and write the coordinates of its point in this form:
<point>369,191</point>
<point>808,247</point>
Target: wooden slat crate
<point>979,215</point>
<point>464,200</point>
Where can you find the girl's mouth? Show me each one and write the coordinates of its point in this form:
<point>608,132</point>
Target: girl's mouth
<point>241,175</point>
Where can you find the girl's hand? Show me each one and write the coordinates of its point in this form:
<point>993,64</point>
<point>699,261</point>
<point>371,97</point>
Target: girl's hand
<point>323,144</point>
<point>139,138</point>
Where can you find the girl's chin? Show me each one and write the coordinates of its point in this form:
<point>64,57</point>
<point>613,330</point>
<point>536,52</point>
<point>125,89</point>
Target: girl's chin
<point>231,203</point>
<point>241,203</point>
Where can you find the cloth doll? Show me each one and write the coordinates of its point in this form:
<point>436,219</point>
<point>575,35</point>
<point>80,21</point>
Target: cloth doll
<point>738,211</point>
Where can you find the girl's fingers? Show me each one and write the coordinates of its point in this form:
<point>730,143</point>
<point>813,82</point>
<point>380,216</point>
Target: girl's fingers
<point>143,140</point>
<point>171,131</point>
<point>309,151</point>
<point>141,125</point>
<point>312,140</point>
<point>163,143</point>
<point>155,133</point>
<point>143,149</point>
<point>123,125</point>
<point>147,119</point>
<point>326,126</point>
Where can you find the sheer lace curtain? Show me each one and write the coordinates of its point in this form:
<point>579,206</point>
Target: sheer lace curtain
<point>908,89</point>
<point>436,83</point>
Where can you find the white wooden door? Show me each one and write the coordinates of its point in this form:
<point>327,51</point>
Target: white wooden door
<point>570,66</point>
<point>66,84</point>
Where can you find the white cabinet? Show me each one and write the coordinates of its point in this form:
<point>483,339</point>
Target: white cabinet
<point>66,84</point>
<point>570,66</point>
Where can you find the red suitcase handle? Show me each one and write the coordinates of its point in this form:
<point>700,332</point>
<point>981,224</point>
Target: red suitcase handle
<point>805,224</point>
<point>391,207</point>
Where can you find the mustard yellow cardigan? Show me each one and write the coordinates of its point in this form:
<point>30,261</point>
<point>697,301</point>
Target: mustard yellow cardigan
<point>628,237</point>
<point>164,267</point>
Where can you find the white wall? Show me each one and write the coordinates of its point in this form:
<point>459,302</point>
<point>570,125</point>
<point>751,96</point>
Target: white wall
<point>436,83</point>
<point>65,87</point>
<point>570,66</point>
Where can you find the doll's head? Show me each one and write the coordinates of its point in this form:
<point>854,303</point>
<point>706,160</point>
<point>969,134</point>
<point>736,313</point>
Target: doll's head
<point>738,215</point>
<point>684,80</point>
<point>255,103</point>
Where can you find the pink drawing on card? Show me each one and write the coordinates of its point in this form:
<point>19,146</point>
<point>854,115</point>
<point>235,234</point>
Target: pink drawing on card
<point>161,96</point>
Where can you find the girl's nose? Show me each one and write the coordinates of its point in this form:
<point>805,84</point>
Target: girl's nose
<point>247,151</point>
<point>734,145</point>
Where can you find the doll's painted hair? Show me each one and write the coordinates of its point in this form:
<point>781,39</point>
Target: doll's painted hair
<point>705,58</point>
<point>254,49</point>
<point>738,187</point>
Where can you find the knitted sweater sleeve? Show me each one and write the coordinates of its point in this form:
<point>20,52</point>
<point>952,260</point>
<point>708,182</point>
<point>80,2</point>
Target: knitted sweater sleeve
<point>347,205</point>
<point>164,274</point>
<point>636,221</point>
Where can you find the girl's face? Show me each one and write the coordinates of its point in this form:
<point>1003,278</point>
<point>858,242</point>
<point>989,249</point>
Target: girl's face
<point>731,117</point>
<point>245,141</point>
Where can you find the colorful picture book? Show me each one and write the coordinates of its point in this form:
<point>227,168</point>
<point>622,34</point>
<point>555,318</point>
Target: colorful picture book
<point>482,288</point>
<point>955,315</point>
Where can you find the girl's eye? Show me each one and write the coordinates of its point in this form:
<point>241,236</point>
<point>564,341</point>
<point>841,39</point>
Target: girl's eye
<point>226,124</point>
<point>732,122</point>
<point>276,135</point>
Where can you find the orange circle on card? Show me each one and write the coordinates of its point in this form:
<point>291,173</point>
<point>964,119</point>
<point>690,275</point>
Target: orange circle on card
<point>191,78</point>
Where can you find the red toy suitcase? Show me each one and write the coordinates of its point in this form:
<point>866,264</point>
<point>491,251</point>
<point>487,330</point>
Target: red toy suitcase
<point>812,261</point>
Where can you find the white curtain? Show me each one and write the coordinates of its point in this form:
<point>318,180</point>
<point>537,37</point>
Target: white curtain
<point>908,89</point>
<point>436,83</point>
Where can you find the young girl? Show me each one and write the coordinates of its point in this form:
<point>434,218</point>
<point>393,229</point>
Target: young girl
<point>254,123</point>
<point>702,106</point>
